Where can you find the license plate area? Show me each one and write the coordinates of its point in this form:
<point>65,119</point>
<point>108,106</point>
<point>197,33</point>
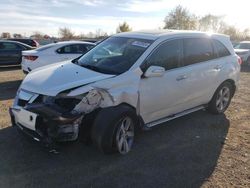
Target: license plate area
<point>26,118</point>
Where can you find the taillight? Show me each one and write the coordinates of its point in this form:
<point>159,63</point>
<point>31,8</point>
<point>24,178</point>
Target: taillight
<point>239,60</point>
<point>30,57</point>
<point>35,43</point>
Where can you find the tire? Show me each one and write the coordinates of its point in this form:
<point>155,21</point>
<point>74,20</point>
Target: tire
<point>85,128</point>
<point>108,132</point>
<point>221,98</point>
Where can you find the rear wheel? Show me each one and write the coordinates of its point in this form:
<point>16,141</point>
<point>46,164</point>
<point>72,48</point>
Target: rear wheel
<point>221,98</point>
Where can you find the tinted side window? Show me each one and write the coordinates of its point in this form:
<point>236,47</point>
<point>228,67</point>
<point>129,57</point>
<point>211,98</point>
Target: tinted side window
<point>197,50</point>
<point>167,55</point>
<point>89,46</point>
<point>9,46</point>
<point>73,49</point>
<point>221,49</point>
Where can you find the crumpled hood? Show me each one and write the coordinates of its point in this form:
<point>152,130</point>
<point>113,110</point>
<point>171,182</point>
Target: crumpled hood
<point>56,78</point>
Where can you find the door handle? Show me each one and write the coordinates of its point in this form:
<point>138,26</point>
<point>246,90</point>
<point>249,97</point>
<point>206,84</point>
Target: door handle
<point>182,77</point>
<point>217,67</point>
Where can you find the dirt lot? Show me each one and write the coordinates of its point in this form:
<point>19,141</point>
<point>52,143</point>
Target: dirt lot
<point>198,150</point>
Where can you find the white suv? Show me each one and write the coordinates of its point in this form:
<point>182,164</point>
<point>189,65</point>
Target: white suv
<point>128,81</point>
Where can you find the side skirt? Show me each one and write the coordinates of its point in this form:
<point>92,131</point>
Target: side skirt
<point>168,118</point>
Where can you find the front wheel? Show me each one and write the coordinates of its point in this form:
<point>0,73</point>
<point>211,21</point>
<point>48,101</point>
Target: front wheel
<point>124,135</point>
<point>221,98</point>
<point>114,129</point>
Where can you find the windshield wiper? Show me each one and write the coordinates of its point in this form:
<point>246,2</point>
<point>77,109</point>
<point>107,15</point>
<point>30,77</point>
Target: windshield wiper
<point>97,69</point>
<point>92,67</point>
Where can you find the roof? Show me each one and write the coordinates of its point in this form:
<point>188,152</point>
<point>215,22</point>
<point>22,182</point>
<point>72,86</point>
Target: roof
<point>74,42</point>
<point>155,34</point>
<point>245,42</point>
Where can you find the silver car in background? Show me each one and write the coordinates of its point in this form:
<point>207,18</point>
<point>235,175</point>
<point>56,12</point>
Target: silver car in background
<point>243,50</point>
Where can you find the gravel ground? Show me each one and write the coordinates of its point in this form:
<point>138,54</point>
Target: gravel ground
<point>198,150</point>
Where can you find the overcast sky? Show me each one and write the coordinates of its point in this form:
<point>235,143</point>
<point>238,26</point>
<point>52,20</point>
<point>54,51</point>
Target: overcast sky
<point>83,16</point>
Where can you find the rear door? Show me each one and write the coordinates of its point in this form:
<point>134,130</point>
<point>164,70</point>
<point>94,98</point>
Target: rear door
<point>3,56</point>
<point>201,70</point>
<point>10,53</point>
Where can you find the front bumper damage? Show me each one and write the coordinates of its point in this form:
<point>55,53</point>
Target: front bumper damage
<point>52,123</point>
<point>66,115</point>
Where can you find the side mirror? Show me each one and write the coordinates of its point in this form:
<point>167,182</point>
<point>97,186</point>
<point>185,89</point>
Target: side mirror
<point>154,71</point>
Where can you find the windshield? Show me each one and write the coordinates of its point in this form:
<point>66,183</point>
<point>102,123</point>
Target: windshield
<point>115,55</point>
<point>243,46</point>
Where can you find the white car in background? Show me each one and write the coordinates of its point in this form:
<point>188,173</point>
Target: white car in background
<point>53,53</point>
<point>243,50</point>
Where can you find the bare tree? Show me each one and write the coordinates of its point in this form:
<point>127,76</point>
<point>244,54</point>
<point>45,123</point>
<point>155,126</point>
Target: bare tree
<point>180,18</point>
<point>5,35</point>
<point>124,27</point>
<point>66,34</point>
<point>37,35</point>
<point>211,22</point>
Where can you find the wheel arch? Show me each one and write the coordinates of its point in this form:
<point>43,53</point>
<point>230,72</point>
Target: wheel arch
<point>102,132</point>
<point>231,81</point>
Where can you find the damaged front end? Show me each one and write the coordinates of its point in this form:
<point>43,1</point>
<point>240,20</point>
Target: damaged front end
<point>55,118</point>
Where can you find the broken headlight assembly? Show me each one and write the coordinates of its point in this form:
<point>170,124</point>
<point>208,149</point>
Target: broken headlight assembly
<point>79,104</point>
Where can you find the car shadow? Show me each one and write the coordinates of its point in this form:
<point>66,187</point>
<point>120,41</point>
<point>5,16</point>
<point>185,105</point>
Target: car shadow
<point>180,153</point>
<point>9,68</point>
<point>8,89</point>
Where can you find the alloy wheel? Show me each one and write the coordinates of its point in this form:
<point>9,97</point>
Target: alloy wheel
<point>125,135</point>
<point>223,99</point>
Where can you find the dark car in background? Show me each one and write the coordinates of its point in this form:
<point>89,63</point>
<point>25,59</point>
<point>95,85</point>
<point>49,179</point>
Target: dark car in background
<point>11,52</point>
<point>30,42</point>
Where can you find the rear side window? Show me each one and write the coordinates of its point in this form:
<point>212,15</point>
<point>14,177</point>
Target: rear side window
<point>197,50</point>
<point>89,46</point>
<point>73,49</point>
<point>9,46</point>
<point>25,41</point>
<point>243,45</point>
<point>45,47</point>
<point>167,55</point>
<point>222,51</point>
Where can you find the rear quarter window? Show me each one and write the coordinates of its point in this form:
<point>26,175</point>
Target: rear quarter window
<point>73,49</point>
<point>221,50</point>
<point>45,47</point>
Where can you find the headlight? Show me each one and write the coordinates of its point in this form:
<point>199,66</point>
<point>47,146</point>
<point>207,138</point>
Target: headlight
<point>89,102</point>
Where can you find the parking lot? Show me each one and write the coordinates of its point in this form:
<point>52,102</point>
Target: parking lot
<point>199,149</point>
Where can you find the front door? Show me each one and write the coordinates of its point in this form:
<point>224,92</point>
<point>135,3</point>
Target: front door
<point>161,96</point>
